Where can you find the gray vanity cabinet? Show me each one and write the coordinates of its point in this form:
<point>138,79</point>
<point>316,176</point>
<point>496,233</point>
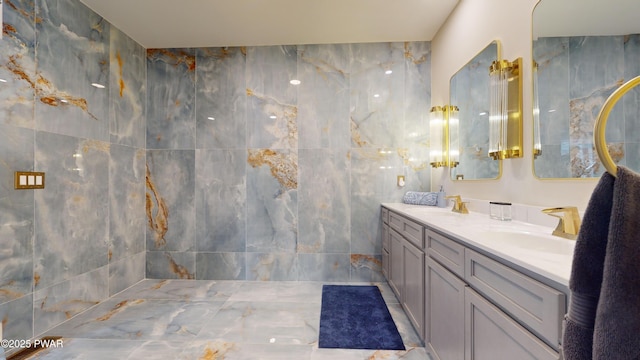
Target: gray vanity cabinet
<point>474,306</point>
<point>406,267</point>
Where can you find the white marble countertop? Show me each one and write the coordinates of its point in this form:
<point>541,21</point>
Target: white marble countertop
<point>529,246</point>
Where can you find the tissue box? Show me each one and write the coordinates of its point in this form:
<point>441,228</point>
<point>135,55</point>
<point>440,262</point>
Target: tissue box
<point>500,210</point>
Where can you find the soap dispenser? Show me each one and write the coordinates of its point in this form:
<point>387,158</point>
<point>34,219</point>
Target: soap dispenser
<point>441,201</point>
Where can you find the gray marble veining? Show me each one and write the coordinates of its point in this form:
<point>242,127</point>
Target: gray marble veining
<point>71,215</point>
<point>323,201</point>
<point>127,201</point>
<point>72,86</point>
<point>377,95</point>
<point>60,302</point>
<point>128,90</point>
<point>300,207</point>
<point>271,100</point>
<point>68,246</point>
<point>272,201</point>
<point>170,200</point>
<point>221,200</point>
<point>170,101</point>
<point>16,215</point>
<point>221,98</point>
<point>323,96</point>
<point>18,64</point>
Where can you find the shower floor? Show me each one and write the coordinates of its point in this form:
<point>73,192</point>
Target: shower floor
<point>198,319</point>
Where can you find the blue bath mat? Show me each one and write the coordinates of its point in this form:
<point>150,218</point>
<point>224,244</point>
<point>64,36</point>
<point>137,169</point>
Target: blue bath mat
<point>356,317</point>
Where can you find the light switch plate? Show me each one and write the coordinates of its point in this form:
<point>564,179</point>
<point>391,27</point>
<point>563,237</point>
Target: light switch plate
<point>25,180</point>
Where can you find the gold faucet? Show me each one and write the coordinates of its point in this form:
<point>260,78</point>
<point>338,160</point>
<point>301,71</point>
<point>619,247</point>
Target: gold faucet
<point>569,223</point>
<point>458,206</point>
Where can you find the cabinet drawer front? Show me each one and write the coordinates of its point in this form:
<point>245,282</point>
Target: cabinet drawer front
<point>492,334</point>
<point>535,305</point>
<point>385,215</point>
<point>447,252</point>
<point>411,231</point>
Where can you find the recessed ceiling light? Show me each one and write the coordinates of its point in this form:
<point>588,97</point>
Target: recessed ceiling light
<point>294,82</point>
<point>376,95</point>
<point>388,72</point>
<point>273,117</point>
<point>211,118</point>
<point>99,86</point>
<point>3,80</point>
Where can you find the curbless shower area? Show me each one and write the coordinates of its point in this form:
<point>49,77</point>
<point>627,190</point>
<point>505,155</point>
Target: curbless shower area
<point>193,163</point>
<point>204,319</point>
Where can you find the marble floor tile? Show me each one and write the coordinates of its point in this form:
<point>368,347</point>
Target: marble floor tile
<point>231,320</point>
<point>181,290</point>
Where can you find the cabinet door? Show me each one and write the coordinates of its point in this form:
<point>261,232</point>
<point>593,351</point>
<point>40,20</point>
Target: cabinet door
<point>413,301</point>
<point>493,335</point>
<point>535,305</point>
<point>396,276</point>
<point>444,315</point>
<point>385,251</point>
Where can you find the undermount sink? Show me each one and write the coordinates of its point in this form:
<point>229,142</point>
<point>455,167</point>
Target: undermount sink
<point>528,241</point>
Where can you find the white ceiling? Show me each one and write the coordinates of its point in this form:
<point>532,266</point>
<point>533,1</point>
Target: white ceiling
<point>214,23</point>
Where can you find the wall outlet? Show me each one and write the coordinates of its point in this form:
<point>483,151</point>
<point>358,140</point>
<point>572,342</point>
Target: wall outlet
<point>28,180</point>
<point>401,181</point>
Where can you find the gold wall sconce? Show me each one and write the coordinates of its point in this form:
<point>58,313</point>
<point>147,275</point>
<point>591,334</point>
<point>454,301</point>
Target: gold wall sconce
<point>505,111</point>
<point>444,136</point>
<point>537,144</point>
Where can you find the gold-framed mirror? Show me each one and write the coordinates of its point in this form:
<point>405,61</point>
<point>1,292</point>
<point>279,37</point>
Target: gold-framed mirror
<point>577,65</point>
<point>470,93</point>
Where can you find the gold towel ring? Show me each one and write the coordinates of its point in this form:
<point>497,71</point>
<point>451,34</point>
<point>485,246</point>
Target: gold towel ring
<point>599,139</point>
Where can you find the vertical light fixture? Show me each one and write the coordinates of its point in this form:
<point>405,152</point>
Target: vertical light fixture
<point>438,138</point>
<point>443,132</point>
<point>453,125</point>
<point>505,111</point>
<point>537,144</point>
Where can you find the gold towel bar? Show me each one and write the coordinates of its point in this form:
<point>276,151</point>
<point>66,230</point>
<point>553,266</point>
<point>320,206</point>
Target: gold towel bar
<point>599,139</point>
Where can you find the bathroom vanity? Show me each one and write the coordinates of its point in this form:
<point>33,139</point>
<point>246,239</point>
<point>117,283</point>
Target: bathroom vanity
<point>474,287</point>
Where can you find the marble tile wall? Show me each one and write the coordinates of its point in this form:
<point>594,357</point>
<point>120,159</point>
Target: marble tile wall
<point>82,238</point>
<point>576,75</point>
<point>252,178</point>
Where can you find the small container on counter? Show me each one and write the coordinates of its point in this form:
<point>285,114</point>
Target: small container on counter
<point>500,210</point>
